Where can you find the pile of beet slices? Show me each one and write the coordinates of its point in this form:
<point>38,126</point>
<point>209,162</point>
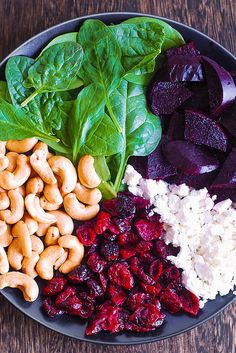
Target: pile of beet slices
<point>125,279</point>
<point>195,99</point>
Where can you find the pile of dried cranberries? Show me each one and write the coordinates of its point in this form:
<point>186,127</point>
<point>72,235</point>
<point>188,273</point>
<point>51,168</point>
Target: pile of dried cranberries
<point>125,277</point>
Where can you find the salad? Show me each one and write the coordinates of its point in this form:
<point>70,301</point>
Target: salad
<point>118,176</point>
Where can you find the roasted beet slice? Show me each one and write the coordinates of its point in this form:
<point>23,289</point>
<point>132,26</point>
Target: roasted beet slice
<point>176,127</point>
<point>223,194</point>
<point>139,164</point>
<point>199,99</point>
<point>168,96</point>
<point>227,175</point>
<point>221,86</point>
<point>195,181</point>
<point>202,130</point>
<point>158,166</point>
<point>189,158</point>
<point>228,119</point>
<point>184,64</point>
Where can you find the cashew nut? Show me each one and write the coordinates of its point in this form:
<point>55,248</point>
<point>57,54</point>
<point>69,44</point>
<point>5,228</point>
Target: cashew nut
<point>86,172</point>
<point>17,208</point>
<point>35,210</point>
<point>32,225</point>
<point>63,167</point>
<point>77,210</point>
<point>61,260</point>
<point>29,263</point>
<point>25,283</point>
<point>47,261</point>
<point>52,236</point>
<point>38,161</point>
<point>4,162</point>
<point>3,147</point>
<point>4,200</point>
<point>52,193</point>
<point>42,146</point>
<point>5,234</point>
<point>21,190</point>
<point>75,255</point>
<point>18,177</point>
<point>87,196</point>
<point>12,158</point>
<point>34,186</point>
<point>63,222</point>
<point>37,244</point>
<point>48,206</point>
<point>14,254</point>
<point>42,229</point>
<point>21,146</point>
<point>20,231</point>
<point>4,264</point>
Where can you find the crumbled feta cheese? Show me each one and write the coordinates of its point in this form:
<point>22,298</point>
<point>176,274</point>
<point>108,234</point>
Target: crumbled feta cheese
<point>204,231</point>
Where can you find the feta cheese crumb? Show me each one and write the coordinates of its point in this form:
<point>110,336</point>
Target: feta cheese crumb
<point>204,231</point>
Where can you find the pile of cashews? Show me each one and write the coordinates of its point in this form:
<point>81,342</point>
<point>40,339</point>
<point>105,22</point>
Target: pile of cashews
<point>35,233</point>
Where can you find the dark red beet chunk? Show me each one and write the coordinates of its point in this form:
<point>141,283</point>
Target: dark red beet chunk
<point>168,96</point>
<point>221,86</point>
<point>176,127</point>
<point>195,181</point>
<point>119,274</point>
<point>202,130</point>
<point>190,159</point>
<point>54,286</point>
<point>50,309</point>
<point>139,164</point>
<point>199,99</point>
<point>227,175</point>
<point>223,194</point>
<point>158,166</point>
<point>228,119</point>
<point>184,64</point>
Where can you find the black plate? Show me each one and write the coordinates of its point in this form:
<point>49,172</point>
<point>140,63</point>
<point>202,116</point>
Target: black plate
<point>72,326</point>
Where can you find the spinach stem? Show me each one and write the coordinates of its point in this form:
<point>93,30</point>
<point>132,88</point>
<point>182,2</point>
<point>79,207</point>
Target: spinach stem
<point>120,173</point>
<point>112,115</point>
<point>27,100</point>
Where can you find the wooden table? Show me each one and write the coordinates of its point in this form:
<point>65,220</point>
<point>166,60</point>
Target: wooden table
<point>20,20</point>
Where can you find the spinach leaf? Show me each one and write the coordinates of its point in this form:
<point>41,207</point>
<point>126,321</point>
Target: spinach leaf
<point>140,44</point>
<point>103,139</point>
<point>141,129</point>
<point>102,59</point>
<point>172,37</point>
<point>54,69</point>
<point>88,109</point>
<point>4,93</point>
<point>45,108</point>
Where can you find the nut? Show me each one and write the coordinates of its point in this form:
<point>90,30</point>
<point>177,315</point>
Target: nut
<point>77,210</point>
<point>47,261</point>
<point>14,254</point>
<point>34,186</point>
<point>63,167</point>
<point>5,234</point>
<point>29,263</point>
<point>17,208</point>
<point>35,210</point>
<point>20,231</point>
<point>64,222</point>
<point>75,255</point>
<point>18,177</point>
<point>52,236</point>
<point>25,283</point>
<point>48,206</point>
<point>21,146</point>
<point>87,196</point>
<point>4,264</point>
<point>52,193</point>
<point>87,173</point>
<point>4,162</point>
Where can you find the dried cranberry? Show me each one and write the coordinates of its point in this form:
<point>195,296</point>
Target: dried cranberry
<point>170,301</point>
<point>86,233</point>
<point>80,274</point>
<point>127,251</point>
<point>102,222</point>
<point>96,263</point>
<point>95,288</point>
<point>106,318</point>
<point>116,294</point>
<point>137,269</point>
<point>87,305</point>
<point>54,286</point>
<point>155,269</point>
<point>189,301</point>
<point>103,281</point>
<point>63,296</point>
<point>148,230</point>
<point>163,250</point>
<point>152,290</point>
<point>125,205</point>
<point>146,258</point>
<point>119,274</point>
<point>50,309</point>
<point>140,202</point>
<point>137,300</point>
<point>170,274</point>
<point>72,305</point>
<point>128,238</point>
<point>143,246</point>
<point>110,250</point>
<point>122,224</point>
<point>146,318</point>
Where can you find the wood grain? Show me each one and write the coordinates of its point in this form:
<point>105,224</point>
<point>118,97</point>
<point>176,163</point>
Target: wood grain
<point>21,19</point>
